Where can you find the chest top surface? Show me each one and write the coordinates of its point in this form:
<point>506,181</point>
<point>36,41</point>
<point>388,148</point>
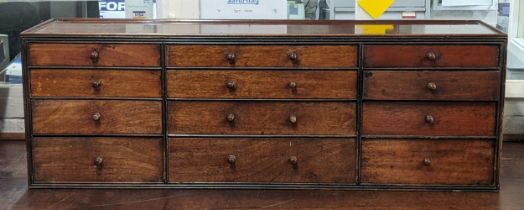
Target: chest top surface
<point>342,28</point>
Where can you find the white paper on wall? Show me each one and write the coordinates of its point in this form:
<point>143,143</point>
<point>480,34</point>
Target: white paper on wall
<point>243,9</point>
<point>458,3</point>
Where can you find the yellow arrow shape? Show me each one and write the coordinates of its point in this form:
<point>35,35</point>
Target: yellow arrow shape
<point>375,8</point>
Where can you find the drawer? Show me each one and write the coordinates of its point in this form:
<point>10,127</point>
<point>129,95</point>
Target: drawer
<point>451,162</point>
<point>262,118</point>
<point>96,83</point>
<point>432,85</point>
<point>262,160</point>
<point>96,117</point>
<point>262,84</point>
<point>77,159</point>
<point>429,118</point>
<point>92,54</point>
<point>431,56</point>
<point>262,55</point>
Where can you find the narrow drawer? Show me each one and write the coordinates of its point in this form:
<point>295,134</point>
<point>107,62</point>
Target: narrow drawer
<point>262,55</point>
<point>69,54</point>
<point>96,83</point>
<point>429,118</point>
<point>432,85</point>
<point>103,160</point>
<point>262,84</point>
<point>262,118</point>
<point>96,117</point>
<point>431,56</point>
<point>451,162</point>
<point>262,160</point>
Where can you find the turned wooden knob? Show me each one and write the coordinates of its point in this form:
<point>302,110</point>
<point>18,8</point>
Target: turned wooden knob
<point>431,86</point>
<point>231,159</point>
<point>96,84</point>
<point>94,56</point>
<point>429,119</point>
<point>231,85</point>
<point>293,56</point>
<point>292,85</point>
<point>231,117</point>
<point>293,119</point>
<point>432,56</point>
<point>99,162</point>
<point>96,116</point>
<point>231,58</point>
<point>293,160</point>
<point>426,161</point>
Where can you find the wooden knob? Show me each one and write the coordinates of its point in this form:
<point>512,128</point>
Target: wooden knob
<point>432,56</point>
<point>426,161</point>
<point>293,56</point>
<point>293,160</point>
<point>99,162</point>
<point>231,58</point>
<point>231,159</point>
<point>293,119</point>
<point>429,119</point>
<point>231,85</point>
<point>94,56</point>
<point>292,85</point>
<point>96,84</point>
<point>231,117</point>
<point>96,116</point>
<point>431,86</point>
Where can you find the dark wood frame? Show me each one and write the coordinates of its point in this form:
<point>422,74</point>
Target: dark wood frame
<point>498,39</point>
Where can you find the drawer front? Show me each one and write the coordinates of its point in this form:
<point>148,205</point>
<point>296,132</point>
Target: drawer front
<point>262,84</point>
<point>76,159</point>
<point>455,162</point>
<point>262,118</point>
<point>431,56</point>
<point>427,118</point>
<point>68,54</point>
<point>96,117</point>
<point>96,83</point>
<point>431,85</point>
<point>262,160</point>
<point>262,55</point>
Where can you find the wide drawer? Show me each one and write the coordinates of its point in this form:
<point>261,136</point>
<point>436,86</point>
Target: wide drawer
<point>261,84</point>
<point>77,159</point>
<point>96,117</point>
<point>431,56</point>
<point>429,118</point>
<point>96,83</point>
<point>262,160</point>
<point>451,162</point>
<point>431,85</point>
<point>95,54</point>
<point>262,118</point>
<point>261,55</point>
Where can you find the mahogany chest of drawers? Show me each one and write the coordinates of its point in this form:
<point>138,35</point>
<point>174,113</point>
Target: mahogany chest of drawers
<point>264,104</point>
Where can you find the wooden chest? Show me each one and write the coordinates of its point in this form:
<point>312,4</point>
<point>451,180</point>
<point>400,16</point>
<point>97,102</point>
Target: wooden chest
<point>264,104</point>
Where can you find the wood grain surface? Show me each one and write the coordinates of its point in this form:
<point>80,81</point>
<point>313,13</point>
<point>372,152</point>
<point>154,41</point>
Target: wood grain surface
<point>409,118</point>
<point>449,85</point>
<point>69,54</point>
<point>261,55</point>
<point>116,117</point>
<point>262,84</point>
<point>261,118</point>
<point>445,56</point>
<point>112,83</point>
<point>452,162</point>
<point>262,160</point>
<point>63,160</point>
